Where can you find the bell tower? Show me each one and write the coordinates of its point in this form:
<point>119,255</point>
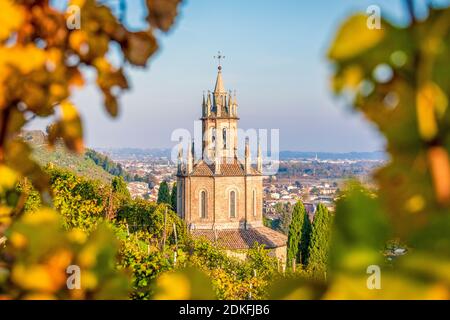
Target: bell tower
<point>219,122</point>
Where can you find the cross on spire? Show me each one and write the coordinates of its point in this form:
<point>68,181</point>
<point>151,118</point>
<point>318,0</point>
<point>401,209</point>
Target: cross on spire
<point>219,57</point>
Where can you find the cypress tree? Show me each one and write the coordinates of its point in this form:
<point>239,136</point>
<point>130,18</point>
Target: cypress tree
<point>173,197</point>
<point>305,239</point>
<point>164,193</point>
<point>295,231</point>
<point>320,241</point>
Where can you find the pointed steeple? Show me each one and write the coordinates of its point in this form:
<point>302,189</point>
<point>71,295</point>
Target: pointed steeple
<point>248,160</point>
<point>208,104</point>
<point>219,88</point>
<point>204,112</point>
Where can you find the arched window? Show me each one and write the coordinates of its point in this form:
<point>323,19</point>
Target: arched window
<point>254,203</point>
<point>232,204</point>
<point>224,134</point>
<point>203,205</point>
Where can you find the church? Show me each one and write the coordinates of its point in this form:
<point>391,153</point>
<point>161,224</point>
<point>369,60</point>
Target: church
<point>220,197</point>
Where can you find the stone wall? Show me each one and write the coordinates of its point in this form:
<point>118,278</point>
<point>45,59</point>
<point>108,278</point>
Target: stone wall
<point>218,203</point>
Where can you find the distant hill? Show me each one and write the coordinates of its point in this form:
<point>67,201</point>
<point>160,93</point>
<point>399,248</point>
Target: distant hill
<point>136,152</point>
<point>61,157</point>
<point>376,155</point>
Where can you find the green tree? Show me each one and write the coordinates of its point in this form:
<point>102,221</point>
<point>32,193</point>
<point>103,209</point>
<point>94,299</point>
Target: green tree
<point>164,193</point>
<point>320,240</point>
<point>119,186</point>
<point>295,232</point>
<point>305,239</point>
<point>173,197</point>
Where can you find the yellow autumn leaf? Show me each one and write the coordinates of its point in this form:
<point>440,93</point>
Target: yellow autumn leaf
<point>439,161</point>
<point>41,216</point>
<point>8,178</point>
<point>11,16</point>
<point>77,40</point>
<point>354,37</point>
<point>69,112</point>
<point>33,277</point>
<point>353,76</point>
<point>77,236</point>
<point>415,203</point>
<point>173,286</point>
<point>440,100</point>
<point>39,296</point>
<point>426,118</point>
<point>88,256</point>
<point>5,215</point>
<point>88,280</point>
<point>18,240</point>
<point>25,58</point>
<point>79,3</point>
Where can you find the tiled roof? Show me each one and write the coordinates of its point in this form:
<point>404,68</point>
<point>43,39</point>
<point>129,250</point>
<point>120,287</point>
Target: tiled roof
<point>235,239</point>
<point>227,168</point>
<point>202,169</point>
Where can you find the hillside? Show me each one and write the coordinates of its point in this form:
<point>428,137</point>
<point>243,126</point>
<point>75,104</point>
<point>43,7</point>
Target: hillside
<point>59,156</point>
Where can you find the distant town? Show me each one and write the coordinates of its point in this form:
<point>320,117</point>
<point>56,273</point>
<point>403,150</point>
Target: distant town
<point>311,177</point>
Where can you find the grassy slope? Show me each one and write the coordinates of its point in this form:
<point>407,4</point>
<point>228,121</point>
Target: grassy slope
<point>61,157</point>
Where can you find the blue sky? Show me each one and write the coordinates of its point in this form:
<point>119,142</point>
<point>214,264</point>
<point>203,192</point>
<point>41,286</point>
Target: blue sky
<point>275,59</point>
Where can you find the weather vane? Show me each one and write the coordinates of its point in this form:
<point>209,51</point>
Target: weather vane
<point>219,57</point>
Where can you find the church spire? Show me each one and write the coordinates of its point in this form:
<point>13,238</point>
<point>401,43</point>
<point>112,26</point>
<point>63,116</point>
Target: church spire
<point>219,88</point>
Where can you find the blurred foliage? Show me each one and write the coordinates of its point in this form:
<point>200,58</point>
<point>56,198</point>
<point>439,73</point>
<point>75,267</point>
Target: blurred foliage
<point>398,78</point>
<point>42,61</point>
<point>232,278</point>
<point>39,252</point>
